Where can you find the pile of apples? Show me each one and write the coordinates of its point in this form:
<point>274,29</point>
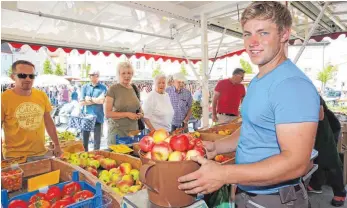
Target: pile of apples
<point>163,147</point>
<point>123,179</point>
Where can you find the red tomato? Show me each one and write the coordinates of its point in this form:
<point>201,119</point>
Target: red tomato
<point>18,204</point>
<point>37,197</point>
<point>71,188</point>
<point>61,203</point>
<point>68,198</point>
<point>82,195</point>
<point>53,194</point>
<point>40,204</point>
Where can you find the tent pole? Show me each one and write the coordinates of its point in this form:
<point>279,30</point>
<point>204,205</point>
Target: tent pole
<point>220,43</point>
<point>204,59</point>
<point>311,32</point>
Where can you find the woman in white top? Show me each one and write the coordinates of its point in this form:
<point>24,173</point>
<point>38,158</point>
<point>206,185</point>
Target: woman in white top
<point>158,111</point>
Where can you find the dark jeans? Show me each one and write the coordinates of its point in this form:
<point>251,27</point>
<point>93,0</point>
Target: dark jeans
<point>97,137</point>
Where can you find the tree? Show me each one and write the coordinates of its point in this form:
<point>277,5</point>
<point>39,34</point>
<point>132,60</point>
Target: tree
<point>157,71</point>
<point>183,69</point>
<point>85,70</point>
<point>59,71</point>
<point>326,74</point>
<point>47,67</point>
<point>246,66</point>
<point>9,71</point>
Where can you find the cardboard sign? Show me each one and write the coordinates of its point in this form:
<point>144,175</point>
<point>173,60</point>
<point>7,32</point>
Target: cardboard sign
<point>43,180</point>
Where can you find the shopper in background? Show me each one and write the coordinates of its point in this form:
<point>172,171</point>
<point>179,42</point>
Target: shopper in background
<point>227,98</point>
<point>25,115</point>
<point>158,111</point>
<point>92,98</point>
<point>181,100</point>
<point>74,94</point>
<point>122,104</point>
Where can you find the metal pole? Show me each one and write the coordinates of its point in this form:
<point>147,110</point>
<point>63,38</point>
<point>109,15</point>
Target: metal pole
<point>204,59</point>
<point>311,32</point>
<point>190,63</point>
<point>220,43</point>
<point>92,24</point>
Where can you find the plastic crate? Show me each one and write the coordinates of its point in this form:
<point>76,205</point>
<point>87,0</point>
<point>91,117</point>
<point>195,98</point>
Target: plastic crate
<point>129,140</point>
<point>95,202</point>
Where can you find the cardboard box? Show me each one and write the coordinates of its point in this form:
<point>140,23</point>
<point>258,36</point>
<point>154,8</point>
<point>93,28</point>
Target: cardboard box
<point>140,200</point>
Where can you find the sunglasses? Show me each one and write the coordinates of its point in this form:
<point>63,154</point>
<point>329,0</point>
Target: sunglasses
<point>24,76</point>
<point>93,75</point>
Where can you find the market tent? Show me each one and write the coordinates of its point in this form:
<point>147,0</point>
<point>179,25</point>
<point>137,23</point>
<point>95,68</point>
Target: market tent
<point>149,29</point>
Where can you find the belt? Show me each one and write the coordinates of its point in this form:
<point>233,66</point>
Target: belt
<point>227,114</point>
<point>296,188</point>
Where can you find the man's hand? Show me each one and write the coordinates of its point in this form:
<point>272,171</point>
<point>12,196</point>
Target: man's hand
<point>204,180</point>
<point>211,150</point>
<point>214,118</point>
<point>185,126</point>
<point>57,151</point>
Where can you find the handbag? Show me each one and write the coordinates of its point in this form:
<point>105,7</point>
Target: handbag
<point>140,122</point>
<point>84,122</point>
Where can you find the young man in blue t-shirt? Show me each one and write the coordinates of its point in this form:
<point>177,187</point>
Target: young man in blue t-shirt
<point>280,113</point>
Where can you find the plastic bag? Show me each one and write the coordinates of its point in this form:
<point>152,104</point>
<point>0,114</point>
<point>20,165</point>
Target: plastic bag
<point>219,198</point>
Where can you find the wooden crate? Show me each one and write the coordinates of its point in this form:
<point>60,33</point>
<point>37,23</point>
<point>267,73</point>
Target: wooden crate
<point>35,168</point>
<point>230,126</point>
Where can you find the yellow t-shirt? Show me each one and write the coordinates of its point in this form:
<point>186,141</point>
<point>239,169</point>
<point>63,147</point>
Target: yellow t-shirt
<point>23,123</point>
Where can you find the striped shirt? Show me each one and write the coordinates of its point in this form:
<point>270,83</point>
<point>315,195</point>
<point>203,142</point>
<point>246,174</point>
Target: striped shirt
<point>181,103</point>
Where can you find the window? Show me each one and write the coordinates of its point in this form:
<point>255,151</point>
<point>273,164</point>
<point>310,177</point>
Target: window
<point>138,66</point>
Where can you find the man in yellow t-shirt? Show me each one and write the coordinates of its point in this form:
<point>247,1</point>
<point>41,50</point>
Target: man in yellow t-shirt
<point>25,114</point>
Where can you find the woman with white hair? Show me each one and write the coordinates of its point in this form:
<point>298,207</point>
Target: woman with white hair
<point>122,104</point>
<point>158,109</point>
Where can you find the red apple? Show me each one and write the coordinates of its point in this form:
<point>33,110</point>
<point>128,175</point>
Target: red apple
<point>176,156</point>
<point>146,143</point>
<point>192,153</point>
<point>179,143</point>
<point>160,135</point>
<point>201,150</point>
<point>108,163</point>
<point>191,143</point>
<point>160,151</point>
<point>92,171</point>
<point>198,143</point>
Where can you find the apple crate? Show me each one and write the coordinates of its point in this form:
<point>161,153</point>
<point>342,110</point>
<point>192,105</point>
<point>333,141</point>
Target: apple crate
<point>35,168</point>
<point>95,201</point>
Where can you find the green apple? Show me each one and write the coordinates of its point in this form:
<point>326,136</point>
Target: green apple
<point>104,178</point>
<point>73,156</point>
<point>84,155</point>
<point>117,191</point>
<point>135,174</point>
<point>134,188</point>
<point>116,177</point>
<point>94,163</point>
<point>105,172</point>
<point>115,171</point>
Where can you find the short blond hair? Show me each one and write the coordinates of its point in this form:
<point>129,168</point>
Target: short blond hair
<point>124,65</point>
<point>268,10</point>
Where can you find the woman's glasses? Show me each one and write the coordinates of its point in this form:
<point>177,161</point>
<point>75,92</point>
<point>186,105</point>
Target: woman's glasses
<point>24,76</point>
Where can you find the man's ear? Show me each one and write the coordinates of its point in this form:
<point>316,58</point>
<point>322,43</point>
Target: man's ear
<point>285,35</point>
<point>12,77</point>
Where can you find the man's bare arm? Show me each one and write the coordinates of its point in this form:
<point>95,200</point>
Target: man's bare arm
<point>296,143</point>
<point>229,143</point>
<point>214,102</point>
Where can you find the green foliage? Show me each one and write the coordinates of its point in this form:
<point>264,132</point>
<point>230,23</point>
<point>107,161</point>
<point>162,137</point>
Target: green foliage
<point>246,66</point>
<point>157,71</point>
<point>47,67</point>
<point>85,70</point>
<point>59,71</point>
<point>196,110</point>
<point>326,74</point>
<point>9,71</point>
<point>183,69</point>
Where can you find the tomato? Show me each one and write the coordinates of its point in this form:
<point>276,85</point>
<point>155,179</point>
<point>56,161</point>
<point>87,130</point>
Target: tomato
<point>18,204</point>
<point>68,198</point>
<point>40,204</point>
<point>37,197</point>
<point>11,180</point>
<point>71,188</point>
<point>61,203</point>
<point>53,194</point>
<point>82,195</point>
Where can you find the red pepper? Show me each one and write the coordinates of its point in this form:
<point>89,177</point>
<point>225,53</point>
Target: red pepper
<point>71,188</point>
<point>40,204</point>
<point>37,197</point>
<point>53,194</point>
<point>61,203</point>
<point>18,204</point>
<point>82,195</point>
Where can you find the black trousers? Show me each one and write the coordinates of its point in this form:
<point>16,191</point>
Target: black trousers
<point>97,137</point>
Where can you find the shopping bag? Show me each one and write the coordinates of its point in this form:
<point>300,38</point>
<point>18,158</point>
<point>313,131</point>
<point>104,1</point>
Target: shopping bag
<point>84,122</point>
<point>219,198</point>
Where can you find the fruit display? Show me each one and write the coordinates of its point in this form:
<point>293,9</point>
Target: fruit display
<point>179,147</point>
<point>121,177</point>
<point>55,197</point>
<point>196,110</point>
<point>221,158</point>
<point>11,179</point>
<point>120,148</point>
<point>63,136</point>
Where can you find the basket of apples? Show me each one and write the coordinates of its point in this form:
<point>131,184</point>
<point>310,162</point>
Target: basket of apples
<point>165,158</point>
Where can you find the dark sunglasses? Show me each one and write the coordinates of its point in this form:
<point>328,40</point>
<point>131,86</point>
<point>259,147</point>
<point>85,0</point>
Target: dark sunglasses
<point>24,76</point>
<point>93,75</point>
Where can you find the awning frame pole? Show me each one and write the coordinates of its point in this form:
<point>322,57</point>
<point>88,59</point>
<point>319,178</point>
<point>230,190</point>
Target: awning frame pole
<point>204,59</point>
<point>220,43</point>
<point>92,24</point>
<point>311,32</point>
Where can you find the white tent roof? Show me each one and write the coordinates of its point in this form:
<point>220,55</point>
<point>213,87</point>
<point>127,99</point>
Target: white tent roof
<point>179,20</point>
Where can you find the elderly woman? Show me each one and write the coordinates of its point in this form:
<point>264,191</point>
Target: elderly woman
<point>158,109</point>
<point>122,104</point>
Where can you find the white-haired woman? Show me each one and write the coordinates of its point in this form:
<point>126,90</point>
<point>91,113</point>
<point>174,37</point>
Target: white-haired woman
<point>122,104</point>
<point>157,109</point>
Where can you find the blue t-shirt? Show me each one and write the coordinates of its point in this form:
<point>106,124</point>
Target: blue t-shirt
<point>94,92</point>
<point>284,95</point>
<point>74,95</point>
